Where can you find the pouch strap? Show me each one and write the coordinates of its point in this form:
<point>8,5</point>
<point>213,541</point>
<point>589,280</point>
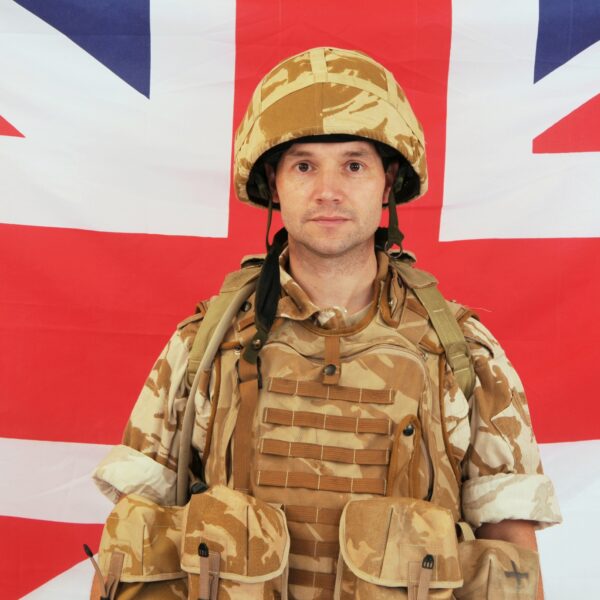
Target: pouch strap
<point>210,565</point>
<point>113,577</point>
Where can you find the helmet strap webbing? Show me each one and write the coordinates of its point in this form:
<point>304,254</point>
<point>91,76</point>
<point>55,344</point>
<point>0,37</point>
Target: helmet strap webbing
<point>394,235</point>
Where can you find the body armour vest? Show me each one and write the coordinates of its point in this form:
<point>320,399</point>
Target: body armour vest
<point>342,414</point>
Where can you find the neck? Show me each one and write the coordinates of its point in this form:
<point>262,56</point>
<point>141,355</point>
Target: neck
<point>345,281</point>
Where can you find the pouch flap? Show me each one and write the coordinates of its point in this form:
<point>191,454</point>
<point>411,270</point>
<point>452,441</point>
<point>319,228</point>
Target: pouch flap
<point>250,535</point>
<point>148,536</point>
<point>380,537</point>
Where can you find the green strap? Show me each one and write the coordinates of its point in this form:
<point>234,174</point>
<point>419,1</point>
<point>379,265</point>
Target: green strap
<point>451,336</point>
<point>424,286</point>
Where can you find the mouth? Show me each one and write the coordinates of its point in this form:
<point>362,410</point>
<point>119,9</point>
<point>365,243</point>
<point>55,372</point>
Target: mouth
<point>329,219</point>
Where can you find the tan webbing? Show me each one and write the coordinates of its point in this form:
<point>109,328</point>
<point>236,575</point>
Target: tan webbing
<point>236,288</point>
<point>300,418</point>
<point>423,285</point>
<point>312,514</point>
<point>314,548</point>
<point>356,456</point>
<point>316,389</point>
<point>242,435</point>
<point>312,579</point>
<point>314,481</point>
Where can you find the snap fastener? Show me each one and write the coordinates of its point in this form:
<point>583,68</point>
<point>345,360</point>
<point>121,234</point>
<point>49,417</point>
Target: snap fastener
<point>409,429</point>
<point>330,369</point>
<point>246,306</point>
<point>257,344</point>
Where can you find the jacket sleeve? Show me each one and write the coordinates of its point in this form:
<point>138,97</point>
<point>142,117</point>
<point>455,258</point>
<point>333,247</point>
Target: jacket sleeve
<point>145,462</point>
<point>502,470</point>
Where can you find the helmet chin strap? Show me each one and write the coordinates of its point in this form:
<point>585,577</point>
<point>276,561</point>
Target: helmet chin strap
<point>394,235</point>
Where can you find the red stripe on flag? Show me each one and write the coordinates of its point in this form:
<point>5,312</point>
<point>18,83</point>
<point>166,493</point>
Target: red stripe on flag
<point>9,130</point>
<point>579,131</point>
<point>35,551</point>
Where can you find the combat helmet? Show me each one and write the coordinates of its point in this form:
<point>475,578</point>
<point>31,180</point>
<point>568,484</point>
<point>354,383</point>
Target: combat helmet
<point>325,92</point>
<point>328,91</point>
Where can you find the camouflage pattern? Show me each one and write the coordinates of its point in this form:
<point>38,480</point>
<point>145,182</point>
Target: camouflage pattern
<point>496,570</point>
<point>327,91</point>
<point>376,434</point>
<point>149,538</point>
<point>250,536</point>
<point>380,538</point>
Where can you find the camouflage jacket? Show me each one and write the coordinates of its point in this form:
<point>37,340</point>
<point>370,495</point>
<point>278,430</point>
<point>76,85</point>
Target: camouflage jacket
<point>489,434</point>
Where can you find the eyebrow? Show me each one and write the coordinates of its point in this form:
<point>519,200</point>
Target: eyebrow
<point>308,153</point>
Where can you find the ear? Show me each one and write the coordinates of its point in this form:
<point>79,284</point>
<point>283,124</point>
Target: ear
<point>270,172</point>
<point>390,176</point>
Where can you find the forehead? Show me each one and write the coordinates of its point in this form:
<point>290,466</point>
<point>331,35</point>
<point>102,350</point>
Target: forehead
<point>354,148</point>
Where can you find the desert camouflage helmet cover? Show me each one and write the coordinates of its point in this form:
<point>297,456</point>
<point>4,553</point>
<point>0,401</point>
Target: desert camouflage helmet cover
<point>328,91</point>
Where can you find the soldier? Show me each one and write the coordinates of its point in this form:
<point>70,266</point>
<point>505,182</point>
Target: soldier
<point>343,389</point>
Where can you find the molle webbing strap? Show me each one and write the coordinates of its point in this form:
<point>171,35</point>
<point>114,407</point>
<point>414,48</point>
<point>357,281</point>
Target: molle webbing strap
<point>221,311</point>
<point>242,435</point>
<point>457,353</point>
<point>317,420</point>
<point>352,456</point>
<point>315,389</point>
<point>312,514</point>
<point>312,579</point>
<point>315,481</point>
<point>314,548</point>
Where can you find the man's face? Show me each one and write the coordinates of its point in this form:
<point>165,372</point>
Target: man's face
<point>331,195</point>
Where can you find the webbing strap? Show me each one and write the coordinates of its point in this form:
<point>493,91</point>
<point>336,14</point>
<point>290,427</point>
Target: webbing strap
<point>451,336</point>
<point>206,344</point>
<point>315,481</point>
<point>234,283</point>
<point>242,435</point>
<point>312,579</point>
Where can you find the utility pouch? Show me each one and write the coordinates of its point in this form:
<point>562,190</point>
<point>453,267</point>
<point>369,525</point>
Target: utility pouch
<point>234,546</point>
<point>497,570</point>
<point>397,548</point>
<point>139,552</point>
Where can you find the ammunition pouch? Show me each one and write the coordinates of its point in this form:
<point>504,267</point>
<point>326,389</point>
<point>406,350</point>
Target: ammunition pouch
<point>397,548</point>
<point>221,544</point>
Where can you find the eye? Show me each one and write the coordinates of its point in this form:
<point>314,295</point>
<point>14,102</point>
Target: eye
<point>355,167</point>
<point>303,167</point>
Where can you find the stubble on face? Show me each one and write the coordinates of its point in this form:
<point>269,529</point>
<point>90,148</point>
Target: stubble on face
<point>331,197</point>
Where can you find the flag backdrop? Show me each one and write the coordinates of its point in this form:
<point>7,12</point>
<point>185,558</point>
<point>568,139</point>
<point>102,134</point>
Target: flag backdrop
<point>116,125</point>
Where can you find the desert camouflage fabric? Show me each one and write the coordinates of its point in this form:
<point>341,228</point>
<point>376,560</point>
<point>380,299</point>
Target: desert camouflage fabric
<point>384,543</point>
<point>148,537</point>
<point>250,538</point>
<point>496,570</point>
<point>368,426</point>
<point>326,91</point>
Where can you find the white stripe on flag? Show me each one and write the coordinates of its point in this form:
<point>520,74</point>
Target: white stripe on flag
<point>568,551</point>
<point>51,481</point>
<point>494,186</point>
<point>73,584</point>
<point>99,155</point>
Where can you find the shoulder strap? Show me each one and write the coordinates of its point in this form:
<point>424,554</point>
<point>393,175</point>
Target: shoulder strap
<point>235,290</point>
<point>424,286</point>
<point>233,283</point>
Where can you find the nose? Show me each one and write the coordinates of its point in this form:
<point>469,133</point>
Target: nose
<point>328,186</point>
